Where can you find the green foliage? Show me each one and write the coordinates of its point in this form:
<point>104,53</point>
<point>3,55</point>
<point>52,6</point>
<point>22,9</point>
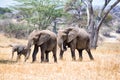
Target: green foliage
<point>16,27</point>
<point>40,12</point>
<point>108,18</point>
<point>4,10</point>
<point>75,8</point>
<point>1,16</point>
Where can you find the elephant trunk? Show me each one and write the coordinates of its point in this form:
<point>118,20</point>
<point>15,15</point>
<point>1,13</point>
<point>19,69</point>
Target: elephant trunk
<point>28,48</point>
<point>27,55</point>
<point>62,45</point>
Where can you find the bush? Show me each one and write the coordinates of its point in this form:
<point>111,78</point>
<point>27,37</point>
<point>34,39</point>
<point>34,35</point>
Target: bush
<point>16,30</point>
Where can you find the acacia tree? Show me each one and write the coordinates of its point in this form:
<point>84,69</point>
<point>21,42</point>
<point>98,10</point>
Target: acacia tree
<point>40,12</point>
<point>94,22</point>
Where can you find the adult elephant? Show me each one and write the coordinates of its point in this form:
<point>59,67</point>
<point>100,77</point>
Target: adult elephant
<point>75,38</point>
<point>46,40</point>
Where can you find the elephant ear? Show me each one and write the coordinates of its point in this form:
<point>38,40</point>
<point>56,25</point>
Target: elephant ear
<point>43,38</point>
<point>72,35</point>
<point>35,37</point>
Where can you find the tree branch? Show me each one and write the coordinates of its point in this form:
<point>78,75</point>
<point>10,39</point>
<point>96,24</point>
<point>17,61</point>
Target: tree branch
<point>111,7</point>
<point>103,8</point>
<point>90,13</point>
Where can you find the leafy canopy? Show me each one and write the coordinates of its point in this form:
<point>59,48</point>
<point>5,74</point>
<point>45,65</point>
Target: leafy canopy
<point>40,12</point>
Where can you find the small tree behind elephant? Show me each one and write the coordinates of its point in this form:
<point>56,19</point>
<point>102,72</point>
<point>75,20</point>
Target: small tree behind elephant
<point>74,38</point>
<point>46,40</point>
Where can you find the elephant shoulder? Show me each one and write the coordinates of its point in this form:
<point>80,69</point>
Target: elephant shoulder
<point>52,34</point>
<point>83,33</point>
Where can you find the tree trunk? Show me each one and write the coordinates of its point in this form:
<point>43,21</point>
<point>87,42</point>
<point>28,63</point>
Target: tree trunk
<point>90,20</point>
<point>54,27</point>
<point>94,26</point>
<point>99,23</point>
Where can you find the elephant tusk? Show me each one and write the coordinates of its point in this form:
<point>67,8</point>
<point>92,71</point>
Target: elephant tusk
<point>62,47</point>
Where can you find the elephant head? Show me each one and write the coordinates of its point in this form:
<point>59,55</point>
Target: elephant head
<point>62,38</point>
<point>36,38</point>
<point>66,36</point>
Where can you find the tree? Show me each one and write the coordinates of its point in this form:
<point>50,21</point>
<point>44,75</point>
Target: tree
<point>4,10</point>
<point>77,12</point>
<point>40,12</point>
<point>94,22</point>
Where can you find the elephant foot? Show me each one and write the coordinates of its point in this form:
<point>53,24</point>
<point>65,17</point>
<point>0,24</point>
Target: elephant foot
<point>46,60</point>
<point>61,58</point>
<point>55,61</point>
<point>91,58</point>
<point>33,61</point>
<point>80,59</point>
<point>25,60</point>
<point>41,61</point>
<point>73,59</point>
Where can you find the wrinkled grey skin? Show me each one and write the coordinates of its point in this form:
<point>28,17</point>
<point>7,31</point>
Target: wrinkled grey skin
<point>74,38</point>
<point>46,40</point>
<point>20,49</point>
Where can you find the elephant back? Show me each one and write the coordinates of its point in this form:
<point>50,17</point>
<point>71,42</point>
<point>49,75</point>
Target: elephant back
<point>83,33</point>
<point>52,34</point>
<point>83,39</point>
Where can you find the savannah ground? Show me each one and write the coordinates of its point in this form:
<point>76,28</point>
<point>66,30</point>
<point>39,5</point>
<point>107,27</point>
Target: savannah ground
<point>106,65</point>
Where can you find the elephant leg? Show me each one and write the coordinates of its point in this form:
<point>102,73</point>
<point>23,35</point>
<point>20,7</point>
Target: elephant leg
<point>42,57</point>
<point>89,53</point>
<point>80,54</point>
<point>73,54</point>
<point>47,56</point>
<point>12,55</point>
<point>18,57</point>
<point>61,54</point>
<point>27,54</point>
<point>72,48</point>
<point>26,57</point>
<point>42,53</point>
<point>54,54</point>
<point>34,53</point>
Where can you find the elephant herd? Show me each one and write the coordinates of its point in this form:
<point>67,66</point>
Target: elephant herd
<point>47,41</point>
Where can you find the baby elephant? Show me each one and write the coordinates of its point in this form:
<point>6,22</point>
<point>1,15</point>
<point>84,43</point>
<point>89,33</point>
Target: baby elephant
<point>20,49</point>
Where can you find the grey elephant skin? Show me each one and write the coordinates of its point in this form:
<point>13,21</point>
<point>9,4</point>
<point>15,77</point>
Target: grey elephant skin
<point>46,41</point>
<point>20,49</point>
<point>74,38</point>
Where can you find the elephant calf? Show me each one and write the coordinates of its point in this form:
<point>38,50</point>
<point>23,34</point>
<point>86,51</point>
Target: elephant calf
<point>75,38</point>
<point>20,49</point>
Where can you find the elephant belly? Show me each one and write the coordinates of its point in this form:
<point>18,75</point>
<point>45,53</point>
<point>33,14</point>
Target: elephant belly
<point>51,45</point>
<point>81,45</point>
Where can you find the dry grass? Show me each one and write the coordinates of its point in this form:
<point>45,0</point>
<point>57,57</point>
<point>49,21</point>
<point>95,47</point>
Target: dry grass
<point>106,65</point>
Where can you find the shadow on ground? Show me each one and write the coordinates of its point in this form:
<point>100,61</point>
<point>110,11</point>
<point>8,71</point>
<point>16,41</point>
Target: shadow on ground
<point>7,62</point>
